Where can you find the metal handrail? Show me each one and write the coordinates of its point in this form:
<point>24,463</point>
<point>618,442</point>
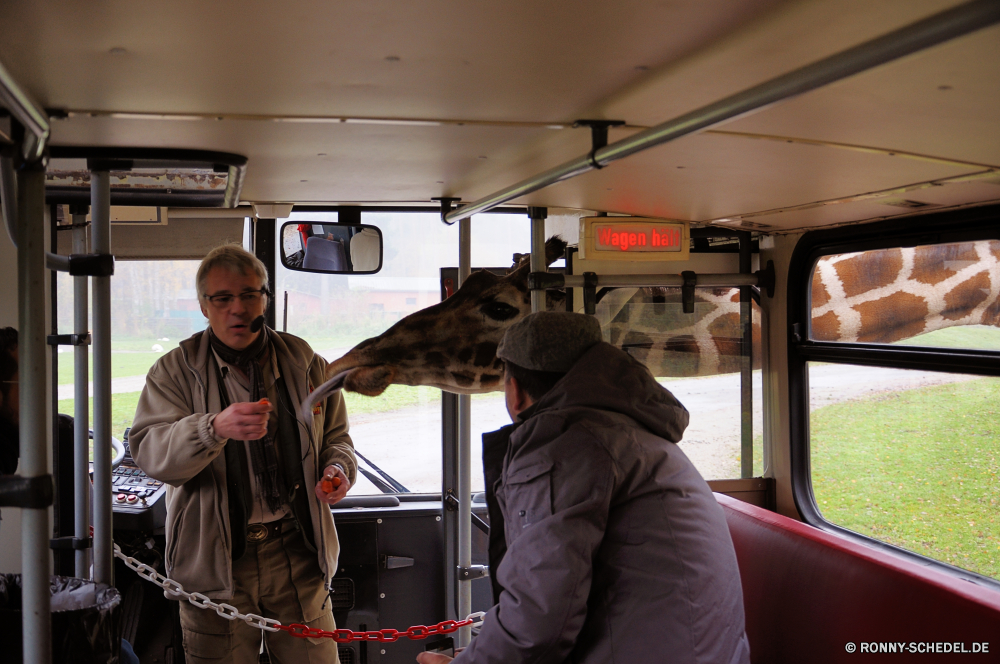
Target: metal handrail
<point>28,113</point>
<point>915,37</point>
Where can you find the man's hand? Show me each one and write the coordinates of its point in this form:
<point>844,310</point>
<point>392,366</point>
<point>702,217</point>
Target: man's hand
<point>243,421</point>
<point>333,487</point>
<point>432,658</point>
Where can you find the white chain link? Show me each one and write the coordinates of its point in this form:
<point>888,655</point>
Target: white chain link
<point>227,611</point>
<point>175,589</point>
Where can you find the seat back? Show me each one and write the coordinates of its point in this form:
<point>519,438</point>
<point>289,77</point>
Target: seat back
<point>809,593</point>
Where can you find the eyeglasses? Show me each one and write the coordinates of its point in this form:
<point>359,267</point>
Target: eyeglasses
<point>225,300</point>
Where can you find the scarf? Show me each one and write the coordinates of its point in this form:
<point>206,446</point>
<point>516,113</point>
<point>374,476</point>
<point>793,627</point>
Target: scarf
<point>263,452</point>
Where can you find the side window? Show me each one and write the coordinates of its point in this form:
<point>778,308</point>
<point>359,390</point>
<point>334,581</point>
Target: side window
<point>698,357</point>
<point>909,456</point>
<point>154,306</point>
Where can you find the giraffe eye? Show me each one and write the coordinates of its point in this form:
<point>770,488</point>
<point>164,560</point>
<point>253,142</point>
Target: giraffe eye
<point>499,310</point>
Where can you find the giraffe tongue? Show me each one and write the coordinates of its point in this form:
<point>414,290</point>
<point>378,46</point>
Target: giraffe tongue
<point>322,392</point>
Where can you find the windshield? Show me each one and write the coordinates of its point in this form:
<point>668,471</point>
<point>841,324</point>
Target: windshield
<point>398,432</point>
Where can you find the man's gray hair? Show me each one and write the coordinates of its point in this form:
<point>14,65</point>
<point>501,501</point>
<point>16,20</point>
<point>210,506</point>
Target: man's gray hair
<point>231,257</point>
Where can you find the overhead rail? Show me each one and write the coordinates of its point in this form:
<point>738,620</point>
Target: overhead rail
<point>28,113</point>
<point>915,37</point>
<point>687,281</point>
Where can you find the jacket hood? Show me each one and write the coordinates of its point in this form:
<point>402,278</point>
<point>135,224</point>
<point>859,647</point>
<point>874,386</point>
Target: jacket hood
<point>608,378</point>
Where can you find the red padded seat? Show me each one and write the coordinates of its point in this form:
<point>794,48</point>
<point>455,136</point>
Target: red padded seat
<point>808,593</point>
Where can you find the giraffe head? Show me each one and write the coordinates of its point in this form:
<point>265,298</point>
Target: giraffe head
<point>451,345</point>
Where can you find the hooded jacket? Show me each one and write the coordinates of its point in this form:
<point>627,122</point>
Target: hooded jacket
<point>171,440</point>
<point>617,551</point>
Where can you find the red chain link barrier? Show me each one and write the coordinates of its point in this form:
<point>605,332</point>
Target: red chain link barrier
<point>382,635</point>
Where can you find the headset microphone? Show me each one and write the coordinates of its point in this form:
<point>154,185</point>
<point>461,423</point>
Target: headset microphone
<point>257,324</point>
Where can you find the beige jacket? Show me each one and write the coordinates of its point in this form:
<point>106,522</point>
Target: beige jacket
<point>171,440</point>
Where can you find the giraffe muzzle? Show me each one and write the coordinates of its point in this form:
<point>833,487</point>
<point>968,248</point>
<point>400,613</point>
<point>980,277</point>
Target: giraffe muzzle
<point>370,381</point>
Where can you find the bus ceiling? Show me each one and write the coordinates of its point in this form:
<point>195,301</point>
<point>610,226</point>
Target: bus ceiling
<point>399,105</point>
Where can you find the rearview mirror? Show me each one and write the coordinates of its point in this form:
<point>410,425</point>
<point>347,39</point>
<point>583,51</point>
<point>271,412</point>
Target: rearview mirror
<point>331,248</point>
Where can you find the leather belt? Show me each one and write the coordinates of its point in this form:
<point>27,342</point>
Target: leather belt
<point>261,532</point>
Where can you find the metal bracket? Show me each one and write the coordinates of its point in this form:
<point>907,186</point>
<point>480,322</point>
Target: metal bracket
<point>766,278</point>
<point>73,543</point>
<point>473,572</point>
<point>545,280</point>
<point>26,492</point>
<point>687,290</point>
<point>598,136</point>
<point>91,265</point>
<point>446,207</point>
<point>535,212</point>
<point>68,339</point>
<point>589,293</point>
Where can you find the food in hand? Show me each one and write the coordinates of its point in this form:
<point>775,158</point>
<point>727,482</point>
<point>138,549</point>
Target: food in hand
<point>329,484</point>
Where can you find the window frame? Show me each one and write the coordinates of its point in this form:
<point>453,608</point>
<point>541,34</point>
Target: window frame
<point>981,223</point>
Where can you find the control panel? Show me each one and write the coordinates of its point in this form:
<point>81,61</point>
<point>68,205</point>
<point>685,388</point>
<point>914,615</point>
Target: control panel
<point>137,500</point>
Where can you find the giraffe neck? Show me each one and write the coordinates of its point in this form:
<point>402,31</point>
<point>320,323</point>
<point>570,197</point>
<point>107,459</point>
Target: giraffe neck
<point>895,294</point>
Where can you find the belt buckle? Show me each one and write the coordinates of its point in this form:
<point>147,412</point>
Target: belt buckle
<point>256,532</point>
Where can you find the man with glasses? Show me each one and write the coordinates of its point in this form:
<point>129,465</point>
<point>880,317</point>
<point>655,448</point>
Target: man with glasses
<point>250,477</point>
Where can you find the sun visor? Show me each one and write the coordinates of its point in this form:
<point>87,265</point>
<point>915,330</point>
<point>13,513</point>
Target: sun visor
<point>155,233</point>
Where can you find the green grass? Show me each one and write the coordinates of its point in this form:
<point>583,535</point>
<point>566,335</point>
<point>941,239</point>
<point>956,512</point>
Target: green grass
<point>132,363</point>
<point>122,411</point>
<point>960,336</point>
<point>394,398</point>
<point>917,469</point>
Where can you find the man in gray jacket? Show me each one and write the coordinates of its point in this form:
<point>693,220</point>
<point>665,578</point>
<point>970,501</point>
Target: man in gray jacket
<point>613,548</point>
<point>250,478</point>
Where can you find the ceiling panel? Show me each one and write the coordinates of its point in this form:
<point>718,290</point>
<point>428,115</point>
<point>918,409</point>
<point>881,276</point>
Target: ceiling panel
<point>339,162</point>
<point>515,60</point>
<point>710,176</point>
<point>273,80</point>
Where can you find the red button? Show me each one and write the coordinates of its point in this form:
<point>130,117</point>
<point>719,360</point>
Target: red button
<point>132,499</point>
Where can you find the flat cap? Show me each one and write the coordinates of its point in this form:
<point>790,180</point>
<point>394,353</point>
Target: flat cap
<point>549,340</point>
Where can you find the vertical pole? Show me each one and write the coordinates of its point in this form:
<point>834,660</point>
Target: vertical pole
<point>35,423</point>
<point>464,457</point>
<point>62,450</point>
<point>538,264</point>
<point>81,405</point>
<point>746,363</point>
<point>284,313</point>
<point>100,215</point>
<point>449,515</point>
<point>265,248</point>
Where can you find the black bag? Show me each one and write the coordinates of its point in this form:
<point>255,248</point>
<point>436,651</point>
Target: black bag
<point>86,620</point>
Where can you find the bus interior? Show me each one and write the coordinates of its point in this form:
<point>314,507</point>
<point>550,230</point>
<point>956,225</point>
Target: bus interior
<point>788,210</point>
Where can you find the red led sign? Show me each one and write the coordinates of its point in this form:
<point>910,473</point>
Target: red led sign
<point>644,238</point>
